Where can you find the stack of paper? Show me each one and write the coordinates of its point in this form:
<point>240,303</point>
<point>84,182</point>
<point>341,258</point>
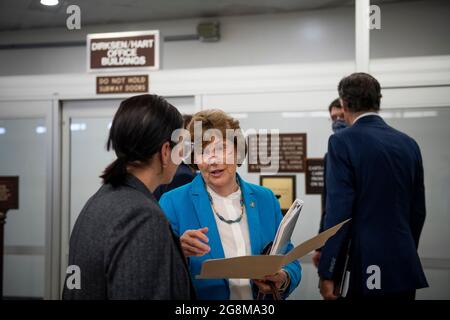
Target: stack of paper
<point>286,228</point>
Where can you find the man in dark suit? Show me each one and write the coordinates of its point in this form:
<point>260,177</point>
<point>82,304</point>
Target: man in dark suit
<point>375,177</point>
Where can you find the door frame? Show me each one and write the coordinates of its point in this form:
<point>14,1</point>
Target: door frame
<point>68,112</point>
<point>48,109</point>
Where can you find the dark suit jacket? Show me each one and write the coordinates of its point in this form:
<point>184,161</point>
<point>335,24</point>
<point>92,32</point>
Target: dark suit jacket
<point>125,248</point>
<point>323,197</point>
<point>375,177</point>
<point>183,176</point>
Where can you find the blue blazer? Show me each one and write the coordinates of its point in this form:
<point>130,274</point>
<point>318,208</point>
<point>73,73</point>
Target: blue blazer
<point>375,176</point>
<point>188,207</point>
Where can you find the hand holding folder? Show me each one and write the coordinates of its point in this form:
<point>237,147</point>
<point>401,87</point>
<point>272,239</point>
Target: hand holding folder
<point>256,267</point>
<point>281,242</point>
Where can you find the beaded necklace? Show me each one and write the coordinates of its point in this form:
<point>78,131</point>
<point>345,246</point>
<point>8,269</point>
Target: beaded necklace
<point>228,221</point>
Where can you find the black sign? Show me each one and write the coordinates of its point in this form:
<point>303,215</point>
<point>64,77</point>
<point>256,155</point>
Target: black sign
<point>314,176</point>
<point>9,193</point>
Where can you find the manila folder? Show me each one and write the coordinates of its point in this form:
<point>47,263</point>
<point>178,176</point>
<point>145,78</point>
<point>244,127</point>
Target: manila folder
<point>256,267</point>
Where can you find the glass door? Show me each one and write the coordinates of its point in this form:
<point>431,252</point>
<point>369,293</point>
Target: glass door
<point>26,152</point>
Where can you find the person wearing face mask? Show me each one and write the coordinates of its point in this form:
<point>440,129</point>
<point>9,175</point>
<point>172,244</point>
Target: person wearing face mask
<point>337,124</point>
<point>219,215</point>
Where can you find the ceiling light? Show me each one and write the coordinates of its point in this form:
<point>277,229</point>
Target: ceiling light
<point>41,130</point>
<point>78,126</point>
<point>49,2</point>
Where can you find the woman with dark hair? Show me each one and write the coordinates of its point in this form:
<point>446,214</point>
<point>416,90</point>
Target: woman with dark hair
<point>122,245</point>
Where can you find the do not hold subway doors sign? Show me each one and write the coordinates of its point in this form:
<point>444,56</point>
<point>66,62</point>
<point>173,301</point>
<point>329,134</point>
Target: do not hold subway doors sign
<point>122,84</point>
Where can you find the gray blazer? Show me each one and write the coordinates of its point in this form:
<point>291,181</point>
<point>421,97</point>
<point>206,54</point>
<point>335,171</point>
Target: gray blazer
<point>125,248</point>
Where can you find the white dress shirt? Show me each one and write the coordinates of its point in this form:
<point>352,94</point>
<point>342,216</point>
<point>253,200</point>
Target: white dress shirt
<point>365,115</point>
<point>235,237</point>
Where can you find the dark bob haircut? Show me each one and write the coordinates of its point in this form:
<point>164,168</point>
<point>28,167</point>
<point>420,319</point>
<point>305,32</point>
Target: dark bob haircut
<point>140,127</point>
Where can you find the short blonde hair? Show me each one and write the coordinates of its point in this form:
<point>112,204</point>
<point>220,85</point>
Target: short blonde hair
<point>219,120</point>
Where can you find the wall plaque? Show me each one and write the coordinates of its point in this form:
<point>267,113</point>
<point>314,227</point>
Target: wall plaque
<point>314,176</point>
<point>291,153</point>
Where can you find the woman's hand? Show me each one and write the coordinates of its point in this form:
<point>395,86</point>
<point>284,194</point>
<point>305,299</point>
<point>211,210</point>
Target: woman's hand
<point>280,280</point>
<point>193,242</point>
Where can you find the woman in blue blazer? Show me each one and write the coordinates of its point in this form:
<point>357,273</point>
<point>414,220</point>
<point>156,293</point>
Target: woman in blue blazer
<point>219,215</point>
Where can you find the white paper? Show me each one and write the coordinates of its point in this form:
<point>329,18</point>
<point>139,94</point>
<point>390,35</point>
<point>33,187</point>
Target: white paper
<point>286,228</point>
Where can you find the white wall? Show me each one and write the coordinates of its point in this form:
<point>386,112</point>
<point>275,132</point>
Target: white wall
<point>418,28</point>
<point>415,28</point>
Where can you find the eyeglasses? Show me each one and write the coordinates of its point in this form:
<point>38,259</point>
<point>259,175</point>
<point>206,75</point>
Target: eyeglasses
<point>218,151</point>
